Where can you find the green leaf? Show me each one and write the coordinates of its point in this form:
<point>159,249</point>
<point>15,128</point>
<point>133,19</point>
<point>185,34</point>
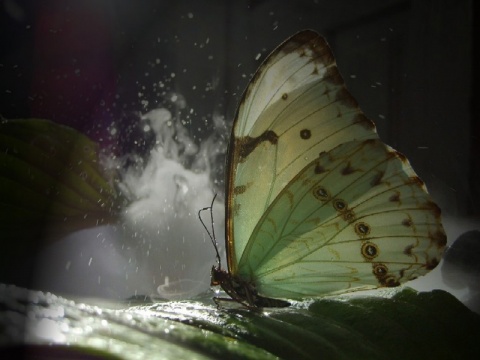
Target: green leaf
<point>51,183</point>
<point>400,324</point>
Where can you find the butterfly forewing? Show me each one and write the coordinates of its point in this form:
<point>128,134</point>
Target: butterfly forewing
<point>295,107</point>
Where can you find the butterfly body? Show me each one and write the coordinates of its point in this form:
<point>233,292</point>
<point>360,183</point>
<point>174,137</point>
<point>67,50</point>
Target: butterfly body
<point>316,202</point>
<point>243,291</point>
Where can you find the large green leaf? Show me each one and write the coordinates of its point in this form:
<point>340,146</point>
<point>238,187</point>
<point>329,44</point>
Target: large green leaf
<point>401,324</point>
<point>51,183</point>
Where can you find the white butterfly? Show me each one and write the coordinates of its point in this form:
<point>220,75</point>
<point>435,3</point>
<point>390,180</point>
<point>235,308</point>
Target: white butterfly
<point>316,202</point>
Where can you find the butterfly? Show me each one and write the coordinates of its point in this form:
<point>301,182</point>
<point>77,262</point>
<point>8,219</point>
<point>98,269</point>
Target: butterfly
<point>316,203</point>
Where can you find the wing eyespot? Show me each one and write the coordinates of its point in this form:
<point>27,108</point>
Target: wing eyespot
<point>339,205</point>
<point>305,134</point>
<point>379,270</point>
<point>321,193</point>
<point>384,278</point>
<point>362,229</point>
<point>369,250</point>
<point>284,96</point>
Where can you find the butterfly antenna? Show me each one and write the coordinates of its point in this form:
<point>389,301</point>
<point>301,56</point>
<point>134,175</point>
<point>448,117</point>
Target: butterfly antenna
<point>212,233</point>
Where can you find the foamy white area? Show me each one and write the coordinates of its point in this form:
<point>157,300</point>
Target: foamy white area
<point>159,248</point>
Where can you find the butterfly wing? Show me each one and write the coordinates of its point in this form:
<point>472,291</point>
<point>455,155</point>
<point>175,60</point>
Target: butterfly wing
<point>357,215</point>
<point>295,107</point>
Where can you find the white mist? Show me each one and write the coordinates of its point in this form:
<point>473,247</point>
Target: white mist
<point>159,248</point>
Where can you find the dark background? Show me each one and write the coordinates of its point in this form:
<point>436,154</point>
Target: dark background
<point>412,65</point>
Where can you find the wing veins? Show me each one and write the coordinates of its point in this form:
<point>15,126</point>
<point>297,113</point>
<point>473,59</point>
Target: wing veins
<point>328,242</point>
<point>264,73</point>
<point>291,213</point>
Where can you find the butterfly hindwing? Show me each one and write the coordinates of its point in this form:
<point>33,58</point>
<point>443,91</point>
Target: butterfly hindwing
<point>355,216</point>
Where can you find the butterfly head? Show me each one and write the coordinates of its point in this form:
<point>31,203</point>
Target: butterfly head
<point>218,276</point>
